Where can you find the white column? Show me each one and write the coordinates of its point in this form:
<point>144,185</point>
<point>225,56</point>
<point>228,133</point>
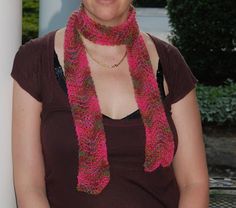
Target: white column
<point>54,14</point>
<point>10,40</point>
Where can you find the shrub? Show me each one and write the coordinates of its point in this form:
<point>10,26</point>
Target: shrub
<point>218,103</point>
<point>150,3</point>
<point>205,33</point>
<point>30,19</point>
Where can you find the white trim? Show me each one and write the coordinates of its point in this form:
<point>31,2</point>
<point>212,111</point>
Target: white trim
<point>10,33</point>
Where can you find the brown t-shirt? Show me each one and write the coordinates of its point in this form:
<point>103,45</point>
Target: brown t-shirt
<point>130,186</point>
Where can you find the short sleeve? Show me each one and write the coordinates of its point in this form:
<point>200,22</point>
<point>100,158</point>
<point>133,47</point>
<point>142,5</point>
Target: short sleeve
<point>26,69</point>
<point>181,78</point>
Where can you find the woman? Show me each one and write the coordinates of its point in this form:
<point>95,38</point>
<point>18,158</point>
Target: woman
<point>116,146</point>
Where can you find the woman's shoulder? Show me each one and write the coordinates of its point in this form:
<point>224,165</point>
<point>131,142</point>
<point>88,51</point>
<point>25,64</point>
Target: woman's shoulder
<point>30,61</point>
<point>34,51</point>
<point>36,45</point>
<point>169,54</point>
<point>163,46</point>
<point>177,72</point>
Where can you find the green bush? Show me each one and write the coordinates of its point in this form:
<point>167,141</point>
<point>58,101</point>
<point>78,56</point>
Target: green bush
<point>218,103</point>
<point>205,33</point>
<point>150,3</point>
<point>30,19</point>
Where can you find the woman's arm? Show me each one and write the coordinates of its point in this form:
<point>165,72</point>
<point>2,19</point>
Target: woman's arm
<point>28,167</point>
<point>190,160</point>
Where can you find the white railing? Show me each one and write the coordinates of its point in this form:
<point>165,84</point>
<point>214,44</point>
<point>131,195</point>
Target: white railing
<point>10,39</point>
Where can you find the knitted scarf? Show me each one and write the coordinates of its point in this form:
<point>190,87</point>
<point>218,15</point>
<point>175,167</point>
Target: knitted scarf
<point>93,165</point>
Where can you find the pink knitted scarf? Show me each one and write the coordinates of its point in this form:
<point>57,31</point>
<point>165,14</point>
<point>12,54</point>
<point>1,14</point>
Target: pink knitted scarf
<point>93,166</point>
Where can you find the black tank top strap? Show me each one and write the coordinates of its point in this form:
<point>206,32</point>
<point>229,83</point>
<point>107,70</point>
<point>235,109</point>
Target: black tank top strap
<point>160,80</point>
<point>59,73</point>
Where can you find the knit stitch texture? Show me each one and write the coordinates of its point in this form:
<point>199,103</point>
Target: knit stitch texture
<point>93,166</point>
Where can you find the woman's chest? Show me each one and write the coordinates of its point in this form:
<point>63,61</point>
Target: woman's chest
<point>125,140</point>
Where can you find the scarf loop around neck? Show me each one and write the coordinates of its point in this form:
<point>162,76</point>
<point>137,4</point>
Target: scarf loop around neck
<point>93,166</point>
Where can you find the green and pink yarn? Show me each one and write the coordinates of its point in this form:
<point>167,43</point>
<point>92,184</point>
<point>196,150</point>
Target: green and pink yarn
<point>93,165</point>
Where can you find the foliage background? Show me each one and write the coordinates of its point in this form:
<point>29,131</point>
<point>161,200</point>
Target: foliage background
<point>205,33</point>
<point>30,19</point>
<point>218,104</point>
<point>150,3</point>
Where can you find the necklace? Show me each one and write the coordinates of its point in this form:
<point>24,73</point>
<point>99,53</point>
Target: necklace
<point>103,64</point>
<point>106,65</point>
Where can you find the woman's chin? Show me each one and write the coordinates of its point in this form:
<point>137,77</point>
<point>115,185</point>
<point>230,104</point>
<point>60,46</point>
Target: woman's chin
<point>108,12</point>
<point>107,17</point>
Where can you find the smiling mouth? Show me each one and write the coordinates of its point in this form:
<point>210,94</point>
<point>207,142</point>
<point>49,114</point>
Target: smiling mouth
<point>105,2</point>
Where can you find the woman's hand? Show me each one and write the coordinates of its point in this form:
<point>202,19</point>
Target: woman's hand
<point>190,160</point>
<point>28,167</point>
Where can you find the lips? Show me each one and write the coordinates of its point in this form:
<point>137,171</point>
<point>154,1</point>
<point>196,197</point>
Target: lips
<point>105,2</point>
